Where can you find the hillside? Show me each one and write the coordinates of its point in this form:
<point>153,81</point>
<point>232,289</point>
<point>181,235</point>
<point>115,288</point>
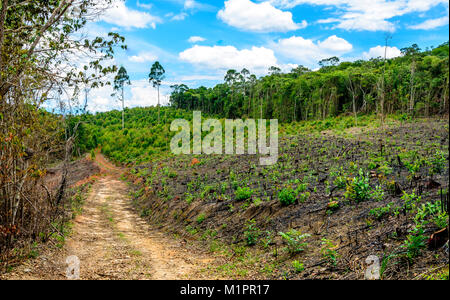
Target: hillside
<point>338,194</point>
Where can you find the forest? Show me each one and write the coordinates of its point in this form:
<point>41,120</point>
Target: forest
<point>415,84</point>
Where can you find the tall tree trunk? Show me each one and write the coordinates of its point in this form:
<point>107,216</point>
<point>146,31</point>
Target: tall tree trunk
<point>123,109</point>
<point>159,108</point>
<point>412,89</point>
<point>295,109</point>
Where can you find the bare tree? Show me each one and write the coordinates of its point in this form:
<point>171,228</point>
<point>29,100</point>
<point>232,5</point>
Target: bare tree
<point>382,93</point>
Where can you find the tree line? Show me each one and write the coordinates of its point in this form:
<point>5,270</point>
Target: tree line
<point>415,83</point>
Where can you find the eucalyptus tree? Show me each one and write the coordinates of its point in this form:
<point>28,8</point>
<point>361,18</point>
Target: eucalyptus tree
<point>230,79</point>
<point>382,92</point>
<point>273,70</point>
<point>352,83</point>
<point>253,80</point>
<point>156,76</point>
<point>244,78</point>
<point>412,53</point>
<point>120,81</point>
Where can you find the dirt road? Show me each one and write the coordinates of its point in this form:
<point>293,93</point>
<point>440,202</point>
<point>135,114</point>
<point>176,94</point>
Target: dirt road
<point>112,242</point>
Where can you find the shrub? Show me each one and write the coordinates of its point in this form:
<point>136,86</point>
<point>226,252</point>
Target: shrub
<point>287,196</point>
<point>252,233</point>
<point>333,205</point>
<point>415,243</point>
<point>378,193</point>
<point>434,212</point>
<point>298,266</point>
<point>359,189</point>
<point>411,200</point>
<point>302,187</point>
<point>201,218</point>
<point>304,197</point>
<point>437,163</point>
<point>93,154</point>
<point>379,212</point>
<point>243,194</point>
<point>328,252</point>
<point>294,240</point>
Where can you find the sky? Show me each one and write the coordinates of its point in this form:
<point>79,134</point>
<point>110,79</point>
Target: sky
<point>197,41</point>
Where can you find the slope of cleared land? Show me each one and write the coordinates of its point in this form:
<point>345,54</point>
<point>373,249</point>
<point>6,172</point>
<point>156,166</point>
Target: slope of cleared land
<point>354,193</point>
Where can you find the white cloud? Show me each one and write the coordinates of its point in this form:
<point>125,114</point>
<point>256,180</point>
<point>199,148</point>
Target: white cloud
<point>196,39</point>
<point>308,52</point>
<point>378,51</point>
<point>144,5</point>
<point>120,15</point>
<point>144,95</point>
<point>335,44</point>
<point>370,15</point>
<point>180,17</point>
<point>219,58</point>
<point>143,57</point>
<point>193,5</point>
<point>431,24</point>
<point>263,17</point>
<point>190,4</point>
<point>201,77</point>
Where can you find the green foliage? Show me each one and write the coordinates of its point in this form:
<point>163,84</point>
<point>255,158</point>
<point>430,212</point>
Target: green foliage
<point>287,196</point>
<point>142,140</point>
<point>191,230</point>
<point>377,194</point>
<point>93,154</point>
<point>294,241</point>
<point>440,275</point>
<point>437,163</point>
<point>298,266</point>
<point>340,182</point>
<point>201,218</point>
<point>415,242</point>
<point>189,198</point>
<point>432,212</point>
<point>252,233</point>
<point>243,193</point>
<point>358,189</point>
<point>329,252</point>
<point>410,200</point>
<point>303,94</point>
<point>379,212</point>
<point>304,197</point>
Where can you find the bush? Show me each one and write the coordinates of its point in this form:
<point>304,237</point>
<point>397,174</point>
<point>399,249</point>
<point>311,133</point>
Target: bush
<point>252,233</point>
<point>328,252</point>
<point>243,194</point>
<point>201,218</point>
<point>298,266</point>
<point>304,197</point>
<point>415,243</point>
<point>287,196</point>
<point>359,189</point>
<point>294,240</point>
<point>437,163</point>
<point>379,212</point>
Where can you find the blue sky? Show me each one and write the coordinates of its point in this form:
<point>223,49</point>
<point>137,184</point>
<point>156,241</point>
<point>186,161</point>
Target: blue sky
<point>197,41</point>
